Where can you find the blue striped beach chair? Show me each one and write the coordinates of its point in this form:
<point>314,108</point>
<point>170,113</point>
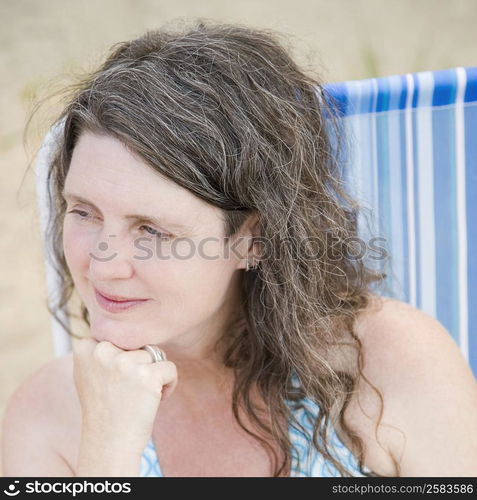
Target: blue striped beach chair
<point>412,160</point>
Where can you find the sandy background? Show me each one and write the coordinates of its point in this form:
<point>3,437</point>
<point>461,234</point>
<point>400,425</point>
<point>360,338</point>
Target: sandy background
<point>42,40</point>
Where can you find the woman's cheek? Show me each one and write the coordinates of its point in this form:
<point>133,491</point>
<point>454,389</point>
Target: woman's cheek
<point>77,246</point>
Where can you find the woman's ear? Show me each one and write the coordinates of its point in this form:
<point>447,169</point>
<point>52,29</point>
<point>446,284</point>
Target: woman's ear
<point>253,233</point>
<point>254,226</point>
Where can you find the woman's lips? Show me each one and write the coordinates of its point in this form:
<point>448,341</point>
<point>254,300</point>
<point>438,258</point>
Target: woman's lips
<point>115,306</point>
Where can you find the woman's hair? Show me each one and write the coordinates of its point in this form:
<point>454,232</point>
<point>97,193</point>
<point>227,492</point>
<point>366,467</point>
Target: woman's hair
<point>224,112</point>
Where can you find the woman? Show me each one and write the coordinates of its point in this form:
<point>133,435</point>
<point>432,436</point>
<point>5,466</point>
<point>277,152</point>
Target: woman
<point>195,183</point>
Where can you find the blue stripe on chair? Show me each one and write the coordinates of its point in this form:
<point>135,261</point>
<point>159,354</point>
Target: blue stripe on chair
<point>424,196</point>
<point>471,87</point>
<point>410,193</point>
<point>384,94</point>
<point>413,196</point>
<point>383,179</point>
<point>403,95</point>
<point>413,162</point>
<point>461,211</point>
<point>391,151</point>
<point>445,201</point>
<point>445,86</point>
<point>470,119</point>
<point>401,254</point>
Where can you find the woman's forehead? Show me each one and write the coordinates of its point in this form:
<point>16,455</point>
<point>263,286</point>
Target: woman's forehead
<point>103,171</point>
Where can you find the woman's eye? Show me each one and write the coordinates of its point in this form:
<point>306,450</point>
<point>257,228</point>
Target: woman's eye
<point>160,235</point>
<point>81,213</point>
<point>163,236</point>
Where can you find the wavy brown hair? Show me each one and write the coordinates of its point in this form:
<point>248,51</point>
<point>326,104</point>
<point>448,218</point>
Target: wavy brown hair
<point>224,112</point>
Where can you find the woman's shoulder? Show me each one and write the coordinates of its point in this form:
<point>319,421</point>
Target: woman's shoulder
<point>391,330</point>
<point>49,385</point>
<point>413,361</point>
<point>395,335</point>
<point>46,387</point>
<point>38,418</point>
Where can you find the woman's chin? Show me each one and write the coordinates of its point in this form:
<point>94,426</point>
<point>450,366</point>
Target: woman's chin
<point>123,340</point>
<point>121,343</point>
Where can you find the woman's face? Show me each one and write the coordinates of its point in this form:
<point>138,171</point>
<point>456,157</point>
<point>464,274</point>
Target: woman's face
<point>187,275</point>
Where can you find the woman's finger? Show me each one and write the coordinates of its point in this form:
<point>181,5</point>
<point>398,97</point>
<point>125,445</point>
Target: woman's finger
<point>164,373</point>
<point>140,355</point>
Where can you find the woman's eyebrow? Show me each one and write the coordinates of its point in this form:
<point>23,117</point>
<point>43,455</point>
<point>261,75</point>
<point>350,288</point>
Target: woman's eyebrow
<point>145,218</point>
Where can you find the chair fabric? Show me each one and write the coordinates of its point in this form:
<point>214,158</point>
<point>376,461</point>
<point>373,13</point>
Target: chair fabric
<point>412,161</point>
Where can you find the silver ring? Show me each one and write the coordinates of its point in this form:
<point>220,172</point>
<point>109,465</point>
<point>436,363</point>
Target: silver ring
<point>156,353</point>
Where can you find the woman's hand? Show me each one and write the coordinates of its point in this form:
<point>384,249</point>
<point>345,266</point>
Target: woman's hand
<point>120,392</point>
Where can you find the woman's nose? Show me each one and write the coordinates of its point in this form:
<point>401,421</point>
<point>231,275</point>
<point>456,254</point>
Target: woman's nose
<point>110,259</point>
